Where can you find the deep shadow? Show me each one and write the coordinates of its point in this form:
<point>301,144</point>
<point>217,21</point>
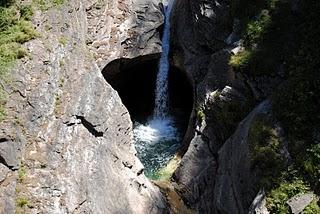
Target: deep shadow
<point>135,81</point>
<point>181,96</point>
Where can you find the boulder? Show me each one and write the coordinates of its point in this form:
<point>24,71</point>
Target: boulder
<point>298,202</point>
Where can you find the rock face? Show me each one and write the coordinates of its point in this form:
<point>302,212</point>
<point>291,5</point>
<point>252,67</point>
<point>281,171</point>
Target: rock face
<point>235,183</point>
<point>199,29</point>
<point>200,47</point>
<point>258,205</point>
<point>299,202</point>
<point>66,146</point>
<point>214,175</point>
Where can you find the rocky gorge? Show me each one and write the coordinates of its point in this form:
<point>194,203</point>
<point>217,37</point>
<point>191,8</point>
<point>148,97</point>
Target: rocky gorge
<point>248,105</point>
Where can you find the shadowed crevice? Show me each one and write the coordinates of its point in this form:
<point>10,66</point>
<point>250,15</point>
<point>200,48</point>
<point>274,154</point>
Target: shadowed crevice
<point>90,127</point>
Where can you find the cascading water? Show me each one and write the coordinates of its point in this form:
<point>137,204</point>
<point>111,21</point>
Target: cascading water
<point>158,139</point>
<point>161,101</point>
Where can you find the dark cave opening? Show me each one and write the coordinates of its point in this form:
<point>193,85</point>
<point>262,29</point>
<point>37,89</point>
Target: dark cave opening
<point>135,84</point>
<point>135,81</point>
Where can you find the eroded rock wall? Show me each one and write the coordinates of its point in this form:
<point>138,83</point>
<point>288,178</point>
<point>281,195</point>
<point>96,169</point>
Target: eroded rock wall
<point>201,46</point>
<point>67,145</point>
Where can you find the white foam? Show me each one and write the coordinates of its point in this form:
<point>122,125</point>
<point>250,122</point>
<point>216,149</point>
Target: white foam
<point>156,130</point>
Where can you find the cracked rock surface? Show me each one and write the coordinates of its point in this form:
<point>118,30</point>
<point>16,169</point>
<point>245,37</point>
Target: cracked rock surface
<point>67,144</point>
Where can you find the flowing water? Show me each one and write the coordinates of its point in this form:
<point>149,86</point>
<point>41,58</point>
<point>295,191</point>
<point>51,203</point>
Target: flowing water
<point>158,139</point>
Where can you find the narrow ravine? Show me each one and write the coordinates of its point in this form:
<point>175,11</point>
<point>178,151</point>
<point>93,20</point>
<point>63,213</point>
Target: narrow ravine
<point>158,139</point>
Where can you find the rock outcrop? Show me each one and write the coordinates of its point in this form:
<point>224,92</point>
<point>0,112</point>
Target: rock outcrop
<point>214,175</point>
<point>67,145</point>
<point>299,202</point>
<point>234,181</point>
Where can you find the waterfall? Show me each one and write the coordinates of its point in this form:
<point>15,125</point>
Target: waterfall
<point>157,140</point>
<point>161,92</point>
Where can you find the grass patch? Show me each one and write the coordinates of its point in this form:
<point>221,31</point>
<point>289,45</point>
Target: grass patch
<point>22,202</point>
<point>15,29</point>
<point>45,5</point>
<point>312,208</point>
<point>21,174</point>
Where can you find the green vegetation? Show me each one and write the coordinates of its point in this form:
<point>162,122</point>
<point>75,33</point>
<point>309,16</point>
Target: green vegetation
<point>3,98</point>
<point>63,40</point>
<point>22,202</point>
<point>165,173</point>
<point>21,174</point>
<point>200,113</point>
<point>265,149</point>
<point>256,28</point>
<point>311,163</point>
<point>277,198</point>
<point>296,103</point>
<point>26,12</point>
<point>312,208</point>
<point>47,4</point>
<point>280,181</point>
<point>280,41</point>
<point>240,61</point>
<point>265,30</point>
<point>15,29</point>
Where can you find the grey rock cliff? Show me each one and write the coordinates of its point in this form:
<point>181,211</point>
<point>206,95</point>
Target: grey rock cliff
<point>234,188</point>
<point>67,131</point>
<point>223,98</point>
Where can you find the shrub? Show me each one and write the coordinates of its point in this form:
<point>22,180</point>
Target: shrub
<point>256,29</point>
<point>312,208</point>
<point>277,198</point>
<point>21,202</point>
<point>312,164</point>
<point>241,60</point>
<point>26,12</point>
<point>265,151</point>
